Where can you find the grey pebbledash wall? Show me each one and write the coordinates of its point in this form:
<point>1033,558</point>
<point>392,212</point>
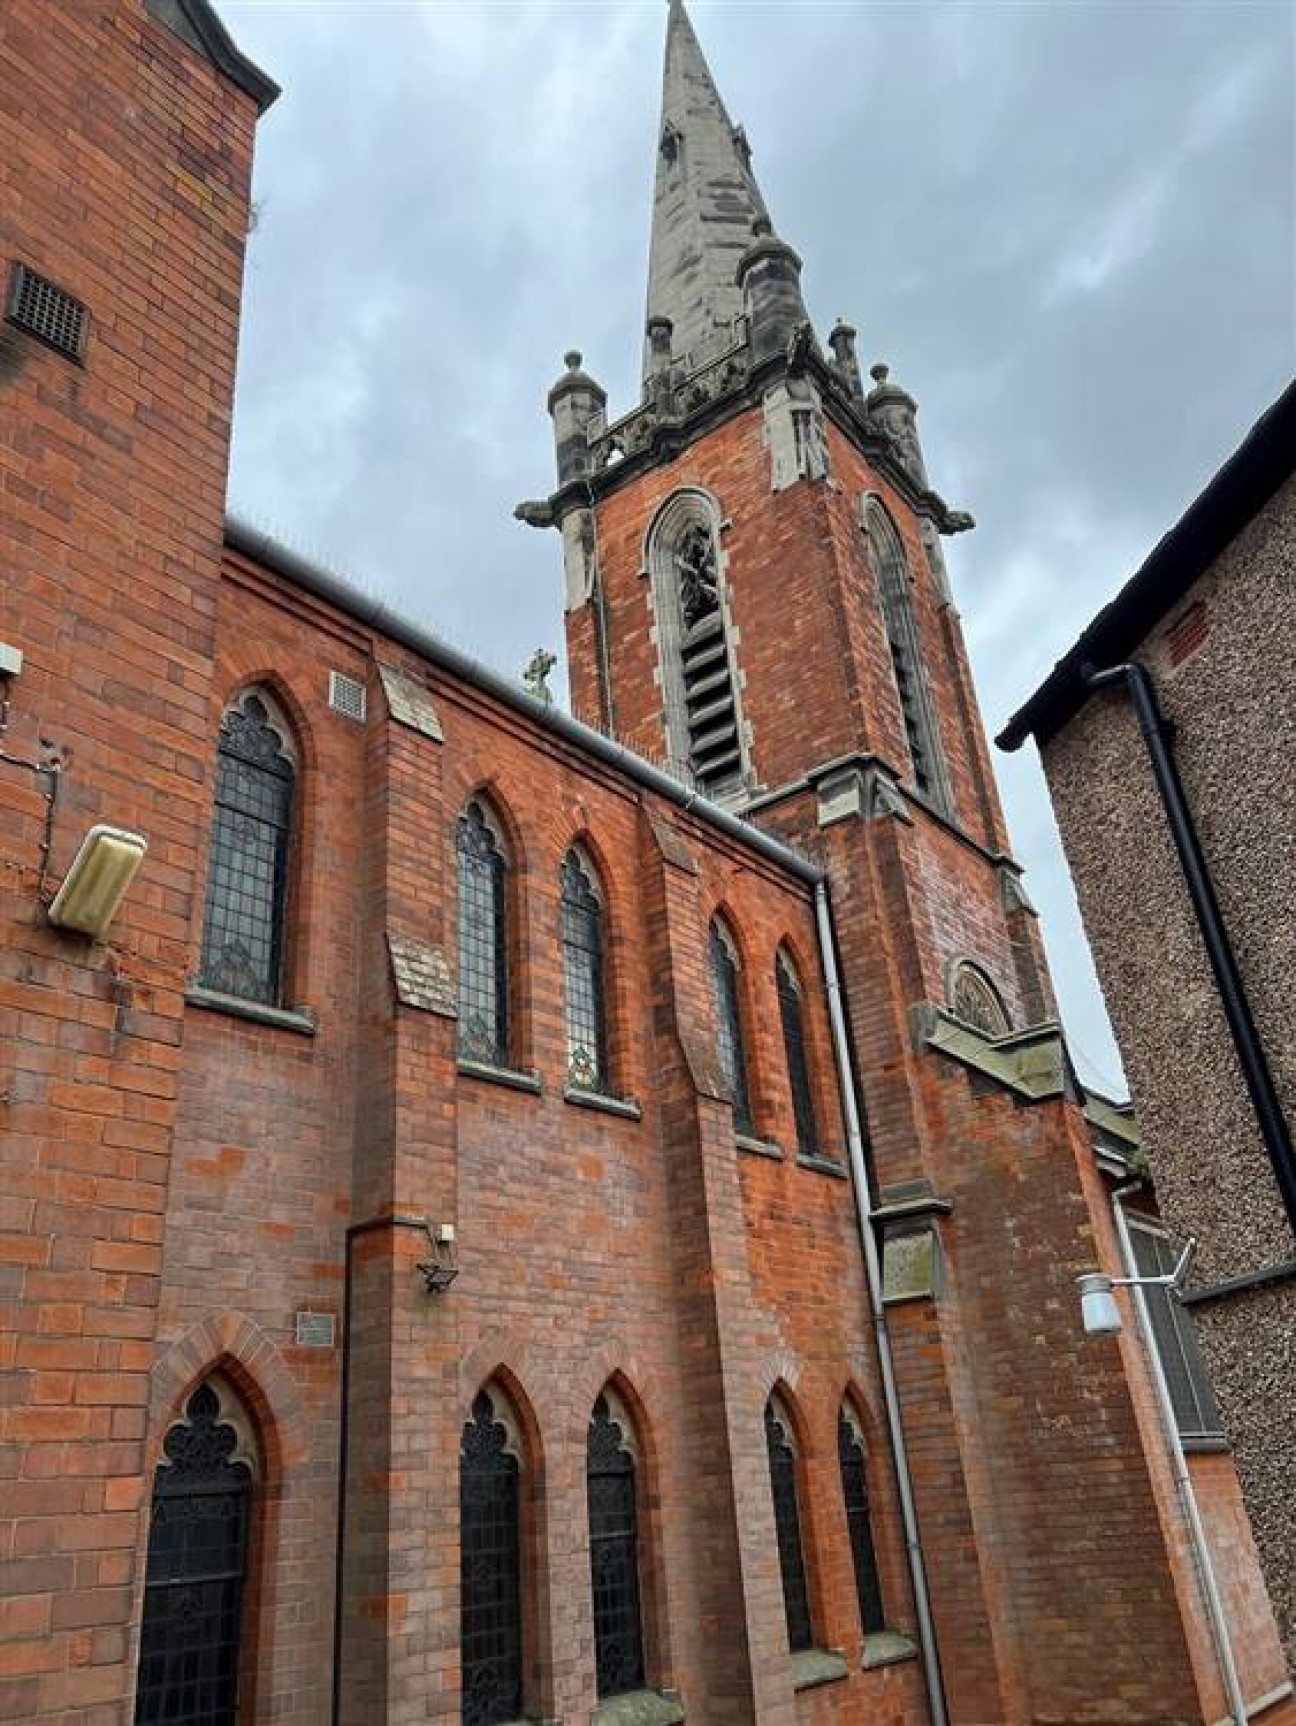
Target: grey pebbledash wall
<point>1222,659</point>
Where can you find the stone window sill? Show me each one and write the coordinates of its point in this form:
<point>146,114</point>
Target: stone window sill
<point>823,1166</point>
<point>623,1106</point>
<point>758,1147</point>
<point>640,1708</point>
<point>815,1666</point>
<point>297,1019</point>
<point>887,1648</point>
<point>512,1078</point>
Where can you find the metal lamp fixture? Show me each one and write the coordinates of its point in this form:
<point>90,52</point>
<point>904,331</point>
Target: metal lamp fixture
<point>443,1267</point>
<point>1098,1309</point>
<point>102,870</point>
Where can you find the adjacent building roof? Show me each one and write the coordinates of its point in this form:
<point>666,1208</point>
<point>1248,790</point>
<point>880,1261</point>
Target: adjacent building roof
<point>1241,488</point>
<point>705,201</point>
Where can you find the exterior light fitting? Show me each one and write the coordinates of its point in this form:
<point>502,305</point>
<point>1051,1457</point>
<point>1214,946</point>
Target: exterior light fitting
<point>442,1268</point>
<point>1098,1309</point>
<point>93,887</point>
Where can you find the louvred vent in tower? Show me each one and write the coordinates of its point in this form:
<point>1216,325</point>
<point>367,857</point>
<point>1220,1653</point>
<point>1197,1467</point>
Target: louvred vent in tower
<point>714,752</point>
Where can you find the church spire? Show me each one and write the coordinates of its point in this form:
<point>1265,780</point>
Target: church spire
<point>705,202</point>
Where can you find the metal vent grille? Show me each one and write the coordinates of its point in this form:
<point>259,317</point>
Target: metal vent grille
<point>346,695</point>
<point>47,312</point>
<point>314,1329</point>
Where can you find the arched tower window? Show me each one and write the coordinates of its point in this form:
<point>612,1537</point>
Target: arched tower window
<point>852,1456</point>
<point>490,1563</point>
<point>699,678</point>
<point>614,1548</point>
<point>792,1016</point>
<point>916,705</point>
<point>584,975</point>
<point>787,1524</point>
<point>196,1569</point>
<point>483,939</point>
<point>247,879</point>
<point>974,999</point>
<point>729,1022</point>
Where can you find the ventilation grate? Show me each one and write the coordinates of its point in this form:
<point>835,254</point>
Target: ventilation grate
<point>47,312</point>
<point>346,695</point>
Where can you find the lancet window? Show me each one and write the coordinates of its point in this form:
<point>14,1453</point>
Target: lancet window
<point>584,975</point>
<point>852,1456</point>
<point>247,879</point>
<point>483,939</point>
<point>792,1016</point>
<point>916,705</point>
<point>781,1449</point>
<point>614,1549</point>
<point>725,989</point>
<point>699,677</point>
<point>490,1565</point>
<point>196,1570</point>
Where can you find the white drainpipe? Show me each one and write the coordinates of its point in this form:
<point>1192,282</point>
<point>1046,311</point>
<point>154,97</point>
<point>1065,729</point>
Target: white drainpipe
<point>873,1267</point>
<point>1179,1466</point>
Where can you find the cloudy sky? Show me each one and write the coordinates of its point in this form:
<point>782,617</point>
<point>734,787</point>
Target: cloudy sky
<point>1068,228</point>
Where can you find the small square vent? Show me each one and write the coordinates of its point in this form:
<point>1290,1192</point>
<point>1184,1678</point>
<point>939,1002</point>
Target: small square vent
<point>314,1329</point>
<point>47,312</point>
<point>346,695</point>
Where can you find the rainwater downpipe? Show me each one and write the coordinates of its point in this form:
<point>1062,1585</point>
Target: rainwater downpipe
<point>873,1268</point>
<point>1201,891</point>
<point>1179,1467</point>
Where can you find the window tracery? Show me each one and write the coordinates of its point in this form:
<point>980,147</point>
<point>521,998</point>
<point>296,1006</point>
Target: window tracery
<point>483,940</point>
<point>583,969</point>
<point>614,1549</point>
<point>787,1525</point>
<point>490,1565</point>
<point>975,1000</point>
<point>726,993</point>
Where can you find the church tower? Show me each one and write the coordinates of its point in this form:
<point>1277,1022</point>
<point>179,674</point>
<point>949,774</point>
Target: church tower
<point>757,597</point>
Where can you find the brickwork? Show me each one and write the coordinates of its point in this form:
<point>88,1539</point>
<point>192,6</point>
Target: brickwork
<point>184,1175</point>
<point>126,170</point>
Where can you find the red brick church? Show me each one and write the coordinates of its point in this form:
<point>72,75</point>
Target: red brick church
<point>509,1217</point>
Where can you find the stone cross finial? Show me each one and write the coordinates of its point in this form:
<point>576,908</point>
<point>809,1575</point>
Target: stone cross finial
<point>535,674</point>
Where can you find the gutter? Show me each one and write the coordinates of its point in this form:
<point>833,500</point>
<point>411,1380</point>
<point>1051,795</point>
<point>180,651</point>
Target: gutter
<point>333,590</point>
<point>873,1267</point>
<point>1201,891</point>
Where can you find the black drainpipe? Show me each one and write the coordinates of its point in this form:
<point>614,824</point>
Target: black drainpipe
<point>397,1221</point>
<point>1157,735</point>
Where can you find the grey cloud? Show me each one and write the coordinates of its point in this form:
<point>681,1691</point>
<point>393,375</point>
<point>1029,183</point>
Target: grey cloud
<point>1067,228</point>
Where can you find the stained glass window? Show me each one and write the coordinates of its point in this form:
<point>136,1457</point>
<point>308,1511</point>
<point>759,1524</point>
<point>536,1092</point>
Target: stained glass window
<point>614,1553</point>
<point>728,1006</point>
<point>792,1015</point>
<point>854,1478</point>
<point>582,937</point>
<point>247,878</point>
<point>787,1526</point>
<point>195,1572</point>
<point>483,941</point>
<point>490,1598</point>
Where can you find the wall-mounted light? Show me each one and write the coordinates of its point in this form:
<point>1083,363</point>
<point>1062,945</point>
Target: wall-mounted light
<point>101,871</point>
<point>1098,1309</point>
<point>443,1267</point>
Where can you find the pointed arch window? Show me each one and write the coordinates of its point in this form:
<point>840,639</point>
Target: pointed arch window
<point>787,1525</point>
<point>792,1017</point>
<point>196,1570</point>
<point>614,1549</point>
<point>852,1458</point>
<point>725,989</point>
<point>247,878</point>
<point>484,1030</point>
<point>699,675</point>
<point>490,1571</point>
<point>917,708</point>
<point>584,975</point>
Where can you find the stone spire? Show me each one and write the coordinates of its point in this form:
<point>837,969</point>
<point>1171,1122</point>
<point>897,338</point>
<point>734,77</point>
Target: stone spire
<point>705,203</point>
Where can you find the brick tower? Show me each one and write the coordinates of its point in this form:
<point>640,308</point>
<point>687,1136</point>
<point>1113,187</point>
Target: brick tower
<point>756,593</point>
